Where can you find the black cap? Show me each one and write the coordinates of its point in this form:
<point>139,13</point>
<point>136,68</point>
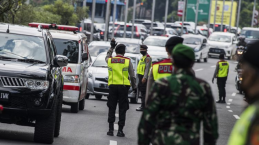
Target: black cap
<point>252,53</point>
<point>120,46</point>
<point>173,41</point>
<point>143,46</point>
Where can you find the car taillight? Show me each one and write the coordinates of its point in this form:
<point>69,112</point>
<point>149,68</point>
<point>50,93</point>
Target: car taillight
<point>137,33</point>
<point>101,33</point>
<point>165,35</point>
<point>115,32</point>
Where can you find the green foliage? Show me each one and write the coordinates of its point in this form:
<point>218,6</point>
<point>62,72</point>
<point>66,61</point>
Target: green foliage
<point>82,12</point>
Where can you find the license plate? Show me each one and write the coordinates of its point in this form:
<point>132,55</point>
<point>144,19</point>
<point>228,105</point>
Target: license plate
<point>105,86</point>
<point>4,97</point>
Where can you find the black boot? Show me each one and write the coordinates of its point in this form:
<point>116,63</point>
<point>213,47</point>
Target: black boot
<point>223,101</point>
<point>120,132</point>
<point>111,129</point>
<point>219,101</point>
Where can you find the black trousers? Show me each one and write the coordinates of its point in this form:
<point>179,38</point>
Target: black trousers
<point>118,94</point>
<point>221,82</point>
<point>142,88</point>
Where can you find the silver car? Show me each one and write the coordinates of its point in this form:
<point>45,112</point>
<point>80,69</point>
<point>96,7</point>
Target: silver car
<point>98,77</point>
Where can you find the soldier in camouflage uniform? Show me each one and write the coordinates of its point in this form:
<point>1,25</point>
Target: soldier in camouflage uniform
<point>177,105</point>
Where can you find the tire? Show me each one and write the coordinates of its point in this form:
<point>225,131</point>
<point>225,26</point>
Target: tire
<point>205,59</point>
<point>87,96</point>
<point>59,112</point>
<point>135,100</point>
<point>74,107</point>
<point>82,104</point>
<point>98,97</point>
<point>44,128</point>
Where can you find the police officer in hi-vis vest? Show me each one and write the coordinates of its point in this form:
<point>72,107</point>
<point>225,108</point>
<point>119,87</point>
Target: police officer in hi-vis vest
<point>221,73</point>
<point>120,70</point>
<point>164,67</point>
<point>143,69</point>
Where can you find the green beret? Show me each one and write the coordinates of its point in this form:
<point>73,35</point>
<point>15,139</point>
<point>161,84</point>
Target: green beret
<point>185,51</point>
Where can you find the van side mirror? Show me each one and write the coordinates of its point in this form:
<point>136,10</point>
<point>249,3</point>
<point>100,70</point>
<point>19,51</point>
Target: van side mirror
<point>84,56</point>
<point>60,61</point>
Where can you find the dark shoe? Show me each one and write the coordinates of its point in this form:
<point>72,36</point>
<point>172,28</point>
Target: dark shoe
<point>110,133</point>
<point>120,134</point>
<point>139,109</point>
<point>223,101</point>
<point>219,101</point>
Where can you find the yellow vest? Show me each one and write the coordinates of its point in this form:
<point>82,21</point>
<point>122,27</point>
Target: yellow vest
<point>118,71</point>
<point>162,69</point>
<point>142,65</point>
<point>223,69</point>
<point>240,131</point>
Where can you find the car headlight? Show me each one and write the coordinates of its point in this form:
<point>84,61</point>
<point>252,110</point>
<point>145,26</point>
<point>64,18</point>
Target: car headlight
<point>36,84</point>
<point>71,78</point>
<point>197,49</point>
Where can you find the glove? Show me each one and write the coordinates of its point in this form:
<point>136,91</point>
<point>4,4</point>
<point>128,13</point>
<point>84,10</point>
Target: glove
<point>113,43</point>
<point>212,80</point>
<point>135,90</point>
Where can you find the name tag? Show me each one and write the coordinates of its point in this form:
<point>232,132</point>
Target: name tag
<point>223,64</point>
<point>118,60</point>
<point>165,69</point>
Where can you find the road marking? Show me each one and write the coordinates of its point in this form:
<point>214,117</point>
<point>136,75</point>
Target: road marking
<point>236,116</point>
<point>112,142</point>
<point>230,110</point>
<point>213,66</point>
<point>234,94</point>
<point>228,106</point>
<point>199,69</point>
<point>117,115</point>
<point>116,127</point>
<point>229,103</point>
<point>230,100</point>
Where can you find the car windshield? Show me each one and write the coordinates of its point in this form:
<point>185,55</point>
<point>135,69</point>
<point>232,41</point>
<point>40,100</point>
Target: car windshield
<point>220,38</point>
<point>68,48</point>
<point>155,42</point>
<point>192,40</point>
<point>100,61</point>
<point>179,29</point>
<point>156,58</point>
<point>128,28</point>
<point>148,25</point>
<point>250,34</point>
<point>99,26</point>
<point>205,32</point>
<point>22,47</point>
<point>131,47</point>
<point>158,31</point>
<point>95,50</point>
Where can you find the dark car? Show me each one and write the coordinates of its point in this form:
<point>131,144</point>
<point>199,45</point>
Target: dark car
<point>31,81</point>
<point>250,34</point>
<point>140,31</point>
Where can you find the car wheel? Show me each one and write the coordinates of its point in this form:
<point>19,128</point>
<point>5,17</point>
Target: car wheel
<point>199,60</point>
<point>44,128</point>
<point>59,112</point>
<point>87,96</point>
<point>135,99</point>
<point>205,59</point>
<point>82,104</point>
<point>74,107</point>
<point>98,97</point>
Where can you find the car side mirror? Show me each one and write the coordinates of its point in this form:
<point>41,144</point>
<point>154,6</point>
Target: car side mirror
<point>60,61</point>
<point>84,56</point>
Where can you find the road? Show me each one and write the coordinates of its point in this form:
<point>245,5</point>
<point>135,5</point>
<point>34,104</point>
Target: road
<point>89,127</point>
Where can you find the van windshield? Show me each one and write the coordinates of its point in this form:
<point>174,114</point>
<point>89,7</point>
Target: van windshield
<point>250,34</point>
<point>68,48</point>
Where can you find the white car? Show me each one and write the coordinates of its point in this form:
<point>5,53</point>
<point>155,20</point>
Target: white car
<point>156,43</point>
<point>222,43</point>
<point>199,45</point>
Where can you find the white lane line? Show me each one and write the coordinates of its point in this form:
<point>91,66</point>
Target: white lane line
<point>229,103</point>
<point>213,66</point>
<point>112,142</point>
<point>234,94</point>
<point>116,127</point>
<point>236,116</point>
<point>230,100</point>
<point>117,115</point>
<point>199,69</point>
<point>230,110</point>
<point>227,106</point>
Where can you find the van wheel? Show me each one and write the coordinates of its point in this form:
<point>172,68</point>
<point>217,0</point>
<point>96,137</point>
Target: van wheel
<point>44,128</point>
<point>98,97</point>
<point>59,112</point>
<point>206,59</point>
<point>75,107</point>
<point>87,96</point>
<point>82,104</point>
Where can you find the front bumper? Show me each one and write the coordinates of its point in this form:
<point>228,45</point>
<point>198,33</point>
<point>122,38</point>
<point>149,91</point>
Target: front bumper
<point>218,51</point>
<point>25,112</point>
<point>71,92</point>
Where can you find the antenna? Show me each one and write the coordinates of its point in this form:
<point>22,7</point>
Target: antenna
<point>7,31</point>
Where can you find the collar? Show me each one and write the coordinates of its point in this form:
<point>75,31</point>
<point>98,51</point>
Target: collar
<point>185,72</point>
<point>119,55</point>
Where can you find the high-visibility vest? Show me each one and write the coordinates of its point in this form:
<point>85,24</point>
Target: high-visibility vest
<point>162,69</point>
<point>239,134</point>
<point>142,65</point>
<point>118,71</point>
<point>223,69</point>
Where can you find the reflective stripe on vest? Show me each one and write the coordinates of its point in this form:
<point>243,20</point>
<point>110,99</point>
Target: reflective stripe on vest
<point>223,69</point>
<point>142,65</point>
<point>162,69</point>
<point>240,131</point>
<point>118,71</point>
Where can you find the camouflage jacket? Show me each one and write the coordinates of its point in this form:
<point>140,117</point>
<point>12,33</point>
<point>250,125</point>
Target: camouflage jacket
<point>176,106</point>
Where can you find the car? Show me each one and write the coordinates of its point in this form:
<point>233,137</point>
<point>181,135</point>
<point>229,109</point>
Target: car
<point>178,29</point>
<point>97,47</point>
<point>199,45</point>
<point>98,76</point>
<point>156,43</point>
<point>31,81</point>
<point>140,21</point>
<point>87,30</point>
<point>203,31</point>
<point>159,31</point>
<point>100,27</point>
<point>235,30</point>
<point>140,31</point>
<point>250,34</point>
<point>222,42</point>
<point>132,45</point>
<point>187,24</point>
<point>155,24</point>
<point>158,55</point>
<point>218,27</point>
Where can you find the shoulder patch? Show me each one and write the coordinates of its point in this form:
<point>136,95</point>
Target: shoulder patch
<point>165,69</point>
<point>117,60</point>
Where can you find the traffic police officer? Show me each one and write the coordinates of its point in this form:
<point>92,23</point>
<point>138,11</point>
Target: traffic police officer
<point>164,67</point>
<point>221,73</point>
<point>246,129</point>
<point>120,69</point>
<point>143,69</point>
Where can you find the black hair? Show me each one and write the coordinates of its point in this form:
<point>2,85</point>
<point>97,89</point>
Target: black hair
<point>181,61</point>
<point>120,49</point>
<point>170,48</point>
<point>222,56</point>
<point>144,46</point>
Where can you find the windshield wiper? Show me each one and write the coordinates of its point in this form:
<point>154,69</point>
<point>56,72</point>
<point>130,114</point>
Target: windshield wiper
<point>6,58</point>
<point>31,60</point>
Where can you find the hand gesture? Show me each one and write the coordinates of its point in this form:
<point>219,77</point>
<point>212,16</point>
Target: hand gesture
<point>113,43</point>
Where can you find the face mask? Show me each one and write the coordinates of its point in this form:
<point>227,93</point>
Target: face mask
<point>143,52</point>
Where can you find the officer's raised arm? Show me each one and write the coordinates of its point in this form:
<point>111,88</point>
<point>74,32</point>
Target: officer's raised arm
<point>110,51</point>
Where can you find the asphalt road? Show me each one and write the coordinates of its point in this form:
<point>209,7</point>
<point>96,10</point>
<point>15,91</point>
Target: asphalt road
<point>89,127</point>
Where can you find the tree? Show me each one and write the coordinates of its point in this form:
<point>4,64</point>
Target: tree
<point>82,13</point>
<point>7,6</point>
<point>65,10</point>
